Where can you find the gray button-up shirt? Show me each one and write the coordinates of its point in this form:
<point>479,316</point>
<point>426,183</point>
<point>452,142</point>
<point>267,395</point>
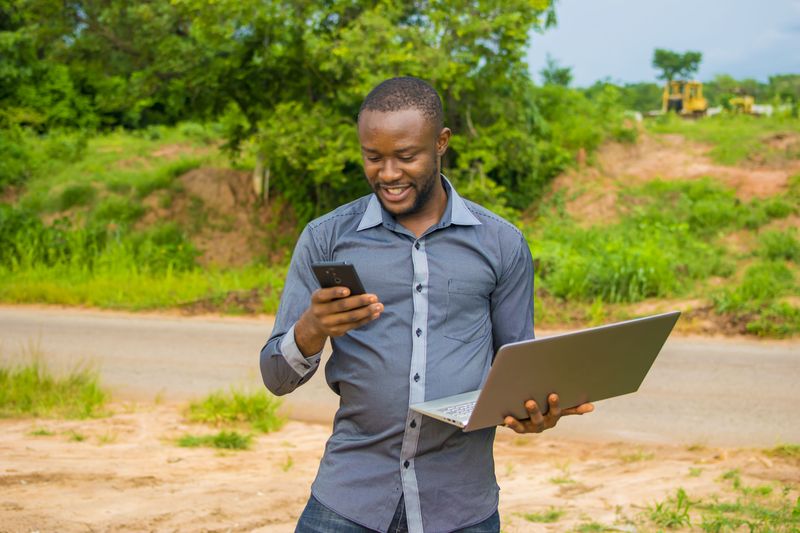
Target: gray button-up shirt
<point>451,298</point>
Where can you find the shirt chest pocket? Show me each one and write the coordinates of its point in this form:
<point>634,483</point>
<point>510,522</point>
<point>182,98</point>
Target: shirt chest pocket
<point>467,309</point>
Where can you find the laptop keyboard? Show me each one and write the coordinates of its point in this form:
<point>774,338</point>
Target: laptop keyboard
<point>461,411</point>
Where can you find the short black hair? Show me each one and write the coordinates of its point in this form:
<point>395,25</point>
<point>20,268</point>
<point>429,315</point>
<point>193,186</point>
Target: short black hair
<point>406,92</point>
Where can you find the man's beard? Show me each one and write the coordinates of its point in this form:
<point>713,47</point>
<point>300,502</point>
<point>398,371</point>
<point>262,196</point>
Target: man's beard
<point>422,197</point>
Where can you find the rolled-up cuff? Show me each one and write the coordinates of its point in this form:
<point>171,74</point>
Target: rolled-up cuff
<point>299,363</point>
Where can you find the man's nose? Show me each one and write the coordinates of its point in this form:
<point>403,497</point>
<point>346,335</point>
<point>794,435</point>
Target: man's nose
<point>390,170</point>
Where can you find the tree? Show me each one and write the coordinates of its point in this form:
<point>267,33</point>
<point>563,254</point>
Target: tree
<point>554,74</point>
<point>674,65</point>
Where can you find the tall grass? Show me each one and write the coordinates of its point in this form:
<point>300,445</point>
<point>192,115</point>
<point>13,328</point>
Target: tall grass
<point>114,268</point>
<point>31,389</point>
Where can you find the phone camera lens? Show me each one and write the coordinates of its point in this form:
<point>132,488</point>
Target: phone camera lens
<point>337,280</point>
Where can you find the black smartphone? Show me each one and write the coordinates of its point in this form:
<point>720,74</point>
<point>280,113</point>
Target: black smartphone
<point>338,275</point>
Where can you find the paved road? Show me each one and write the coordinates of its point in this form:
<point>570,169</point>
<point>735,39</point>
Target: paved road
<point>719,393</point>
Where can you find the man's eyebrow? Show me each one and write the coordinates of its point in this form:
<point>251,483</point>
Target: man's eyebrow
<point>411,148</point>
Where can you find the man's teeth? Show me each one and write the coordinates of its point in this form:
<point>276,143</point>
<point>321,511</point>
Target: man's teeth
<point>395,190</point>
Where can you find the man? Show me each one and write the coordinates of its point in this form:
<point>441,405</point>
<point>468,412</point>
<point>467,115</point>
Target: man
<point>450,283</point>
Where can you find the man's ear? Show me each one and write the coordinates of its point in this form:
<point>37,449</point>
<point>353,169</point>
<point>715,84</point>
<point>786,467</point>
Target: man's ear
<point>443,141</point>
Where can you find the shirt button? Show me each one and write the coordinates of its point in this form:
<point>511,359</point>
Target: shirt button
<point>416,245</point>
<point>419,332</point>
<point>406,464</point>
<point>416,377</point>
<point>419,287</point>
<point>413,423</point>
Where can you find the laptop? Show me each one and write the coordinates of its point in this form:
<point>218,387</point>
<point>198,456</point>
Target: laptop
<point>583,366</point>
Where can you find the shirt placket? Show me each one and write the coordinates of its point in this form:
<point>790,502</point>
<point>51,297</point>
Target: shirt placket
<point>419,334</point>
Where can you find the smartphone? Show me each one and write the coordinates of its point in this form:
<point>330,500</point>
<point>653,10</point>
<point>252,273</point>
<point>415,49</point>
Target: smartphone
<point>338,275</point>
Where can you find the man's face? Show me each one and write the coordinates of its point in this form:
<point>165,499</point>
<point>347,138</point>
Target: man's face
<point>401,151</point>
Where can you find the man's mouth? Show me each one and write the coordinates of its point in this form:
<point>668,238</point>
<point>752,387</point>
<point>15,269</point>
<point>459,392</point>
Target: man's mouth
<point>395,192</point>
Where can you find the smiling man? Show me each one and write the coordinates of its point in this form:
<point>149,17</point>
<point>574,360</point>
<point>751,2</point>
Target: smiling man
<point>449,282</point>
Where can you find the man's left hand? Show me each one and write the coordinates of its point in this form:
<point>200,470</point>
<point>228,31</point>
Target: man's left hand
<point>537,422</point>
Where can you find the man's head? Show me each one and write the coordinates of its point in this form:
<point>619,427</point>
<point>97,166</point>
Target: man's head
<point>400,127</point>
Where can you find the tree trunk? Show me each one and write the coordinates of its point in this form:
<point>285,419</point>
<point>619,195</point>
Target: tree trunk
<point>259,177</point>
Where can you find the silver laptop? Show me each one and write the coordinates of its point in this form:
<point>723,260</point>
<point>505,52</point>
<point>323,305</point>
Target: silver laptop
<point>583,366</point>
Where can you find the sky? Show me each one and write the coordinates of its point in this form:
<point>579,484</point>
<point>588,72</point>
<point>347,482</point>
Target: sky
<point>616,38</point>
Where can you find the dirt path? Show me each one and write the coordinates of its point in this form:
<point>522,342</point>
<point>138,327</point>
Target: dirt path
<point>128,475</point>
<point>689,396</point>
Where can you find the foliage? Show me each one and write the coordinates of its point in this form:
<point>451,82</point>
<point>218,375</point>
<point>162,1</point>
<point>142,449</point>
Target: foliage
<point>31,389</point>
<point>674,65</point>
<point>258,409</point>
<point>248,64</point>
<point>555,74</point>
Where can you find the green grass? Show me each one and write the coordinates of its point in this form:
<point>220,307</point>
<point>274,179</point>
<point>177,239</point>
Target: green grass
<point>225,440</point>
<point>546,517</point>
<point>735,138</point>
<point>756,508</point>
<point>672,513</point>
<point>756,300</point>
<point>118,164</point>
<point>777,245</point>
<point>31,389</point>
<point>237,407</point>
<point>115,287</point>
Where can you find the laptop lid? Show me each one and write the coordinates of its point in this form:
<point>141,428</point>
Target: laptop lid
<point>583,366</point>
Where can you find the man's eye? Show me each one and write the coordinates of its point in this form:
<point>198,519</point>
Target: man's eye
<point>373,159</point>
<point>406,159</point>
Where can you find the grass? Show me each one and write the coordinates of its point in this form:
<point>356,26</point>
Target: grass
<point>31,389</point>
<point>667,243</point>
<point>735,138</point>
<point>257,410</point>
<point>115,287</point>
<point>756,508</point>
<point>224,440</point>
<point>786,451</point>
<point>545,517</point>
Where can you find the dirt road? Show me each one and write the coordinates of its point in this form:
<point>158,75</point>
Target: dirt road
<point>126,473</point>
<point>700,391</point>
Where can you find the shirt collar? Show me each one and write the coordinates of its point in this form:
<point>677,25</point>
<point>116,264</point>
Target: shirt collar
<point>456,210</point>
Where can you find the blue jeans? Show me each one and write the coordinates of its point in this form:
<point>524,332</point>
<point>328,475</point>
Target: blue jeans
<point>317,518</point>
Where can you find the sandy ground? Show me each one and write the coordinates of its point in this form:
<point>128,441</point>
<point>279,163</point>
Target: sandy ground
<point>128,475</point>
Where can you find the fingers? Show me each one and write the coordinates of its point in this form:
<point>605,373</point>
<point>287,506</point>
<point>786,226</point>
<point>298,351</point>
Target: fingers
<point>538,422</point>
<point>579,410</point>
<point>336,313</point>
<point>515,424</point>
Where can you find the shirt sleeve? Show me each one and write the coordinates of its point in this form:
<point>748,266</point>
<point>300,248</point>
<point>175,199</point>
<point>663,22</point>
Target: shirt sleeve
<point>283,366</point>
<point>512,299</point>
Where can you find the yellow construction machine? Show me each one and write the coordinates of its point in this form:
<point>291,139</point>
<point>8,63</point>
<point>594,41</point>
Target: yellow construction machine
<point>684,98</point>
<point>742,103</point>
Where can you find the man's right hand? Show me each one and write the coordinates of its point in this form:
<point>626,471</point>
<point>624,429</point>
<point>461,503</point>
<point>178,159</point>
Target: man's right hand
<point>333,313</point>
